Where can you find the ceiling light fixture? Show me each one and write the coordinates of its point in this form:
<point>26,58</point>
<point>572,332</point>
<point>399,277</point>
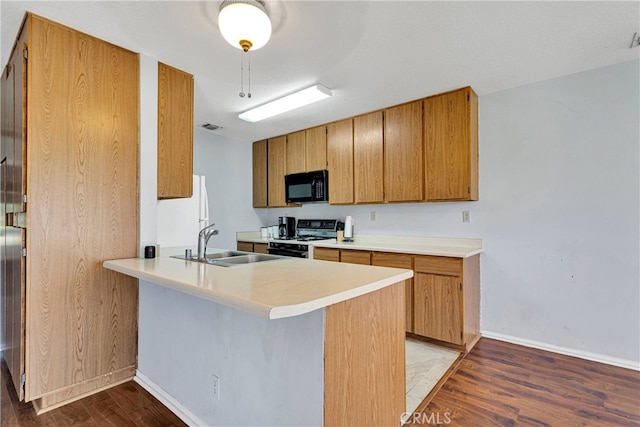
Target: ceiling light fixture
<point>245,24</point>
<point>287,103</point>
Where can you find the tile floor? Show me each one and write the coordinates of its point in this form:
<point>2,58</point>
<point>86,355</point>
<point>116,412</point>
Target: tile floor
<point>425,365</point>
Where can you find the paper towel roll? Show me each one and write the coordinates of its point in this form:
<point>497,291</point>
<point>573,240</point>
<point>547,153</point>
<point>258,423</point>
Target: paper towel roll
<point>348,227</point>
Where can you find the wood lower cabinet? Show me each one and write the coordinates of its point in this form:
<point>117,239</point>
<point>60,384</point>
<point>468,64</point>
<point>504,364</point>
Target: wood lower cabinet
<point>175,133</point>
<point>340,162</point>
<point>447,299</point>
<point>451,146</point>
<point>72,324</point>
<point>261,248</point>
<point>394,260</point>
<point>442,301</point>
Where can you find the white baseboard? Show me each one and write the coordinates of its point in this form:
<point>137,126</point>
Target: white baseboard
<point>595,357</point>
<point>167,400</point>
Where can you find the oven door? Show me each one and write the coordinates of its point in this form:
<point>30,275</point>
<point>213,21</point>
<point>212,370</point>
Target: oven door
<point>292,252</point>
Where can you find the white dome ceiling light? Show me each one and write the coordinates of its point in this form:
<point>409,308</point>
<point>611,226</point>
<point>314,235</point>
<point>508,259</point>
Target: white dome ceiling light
<point>245,25</point>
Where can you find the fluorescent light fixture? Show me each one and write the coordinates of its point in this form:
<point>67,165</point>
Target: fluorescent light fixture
<point>287,103</point>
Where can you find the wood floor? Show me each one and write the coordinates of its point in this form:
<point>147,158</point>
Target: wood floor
<point>501,384</point>
<point>125,405</point>
<point>497,384</point>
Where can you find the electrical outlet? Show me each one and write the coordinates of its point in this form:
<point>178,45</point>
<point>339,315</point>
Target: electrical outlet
<point>373,216</point>
<point>635,41</point>
<point>466,217</point>
<point>216,386</point>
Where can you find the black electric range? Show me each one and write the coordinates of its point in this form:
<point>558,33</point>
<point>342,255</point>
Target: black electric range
<point>307,230</point>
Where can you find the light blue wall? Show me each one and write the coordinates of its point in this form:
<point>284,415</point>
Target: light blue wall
<point>558,211</point>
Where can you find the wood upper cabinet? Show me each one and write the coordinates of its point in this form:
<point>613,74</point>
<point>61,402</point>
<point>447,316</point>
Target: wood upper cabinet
<point>396,260</point>
<point>276,170</point>
<point>296,152</point>
<point>368,151</point>
<point>403,153</point>
<point>340,161</point>
<point>260,174</point>
<point>175,133</point>
<point>447,299</point>
<point>316,148</point>
<point>77,101</point>
<point>451,146</point>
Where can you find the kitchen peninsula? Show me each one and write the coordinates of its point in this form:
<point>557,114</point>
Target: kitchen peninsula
<point>282,342</point>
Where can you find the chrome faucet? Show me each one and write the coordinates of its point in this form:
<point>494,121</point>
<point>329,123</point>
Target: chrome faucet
<point>203,237</point>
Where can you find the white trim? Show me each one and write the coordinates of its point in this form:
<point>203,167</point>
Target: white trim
<point>595,357</point>
<point>167,400</point>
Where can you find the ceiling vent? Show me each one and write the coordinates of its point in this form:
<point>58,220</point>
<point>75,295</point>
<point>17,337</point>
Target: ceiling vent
<point>210,126</point>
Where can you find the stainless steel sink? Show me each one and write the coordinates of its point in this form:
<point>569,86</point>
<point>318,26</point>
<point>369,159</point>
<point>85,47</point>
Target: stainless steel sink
<point>231,258</point>
<point>247,259</point>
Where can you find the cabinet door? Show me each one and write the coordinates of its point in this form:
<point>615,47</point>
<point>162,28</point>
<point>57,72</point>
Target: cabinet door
<point>438,307</point>
<point>326,254</point>
<point>260,174</point>
<point>175,133</point>
<point>394,260</point>
<point>403,153</point>
<point>340,161</point>
<point>81,318</point>
<point>355,257</point>
<point>451,146</point>
<point>277,161</point>
<point>367,155</point>
<point>296,152</point>
<point>316,148</point>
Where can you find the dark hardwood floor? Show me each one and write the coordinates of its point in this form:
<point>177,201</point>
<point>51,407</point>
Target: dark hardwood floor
<point>501,384</point>
<point>497,384</point>
<point>125,405</point>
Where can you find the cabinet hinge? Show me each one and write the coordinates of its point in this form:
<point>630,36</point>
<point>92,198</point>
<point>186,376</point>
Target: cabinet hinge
<point>24,198</point>
<point>24,252</point>
<point>461,335</point>
<point>468,97</point>
<point>25,53</point>
<point>460,286</point>
<point>23,378</point>
<point>469,190</point>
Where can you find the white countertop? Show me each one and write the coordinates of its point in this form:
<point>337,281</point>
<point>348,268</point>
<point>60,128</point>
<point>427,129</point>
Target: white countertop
<point>272,289</point>
<point>450,247</point>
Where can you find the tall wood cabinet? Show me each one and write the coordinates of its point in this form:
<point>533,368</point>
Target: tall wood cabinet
<point>175,133</point>
<point>451,146</point>
<point>368,152</point>
<point>340,161</point>
<point>260,177</point>
<point>316,148</point>
<point>69,172</point>
<point>403,174</point>
<point>276,170</point>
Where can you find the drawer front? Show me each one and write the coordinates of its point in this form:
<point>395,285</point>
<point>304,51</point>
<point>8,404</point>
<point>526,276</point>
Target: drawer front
<point>245,246</point>
<point>438,265</point>
<point>261,248</point>
<point>390,259</point>
<point>326,254</point>
<point>356,257</point>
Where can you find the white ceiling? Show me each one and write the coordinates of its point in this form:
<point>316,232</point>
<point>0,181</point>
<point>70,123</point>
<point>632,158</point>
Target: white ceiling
<point>371,54</point>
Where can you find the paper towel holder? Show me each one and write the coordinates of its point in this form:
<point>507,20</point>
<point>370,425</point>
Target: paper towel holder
<point>348,229</point>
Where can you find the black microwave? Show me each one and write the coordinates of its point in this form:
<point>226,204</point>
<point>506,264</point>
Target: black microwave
<point>307,187</point>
